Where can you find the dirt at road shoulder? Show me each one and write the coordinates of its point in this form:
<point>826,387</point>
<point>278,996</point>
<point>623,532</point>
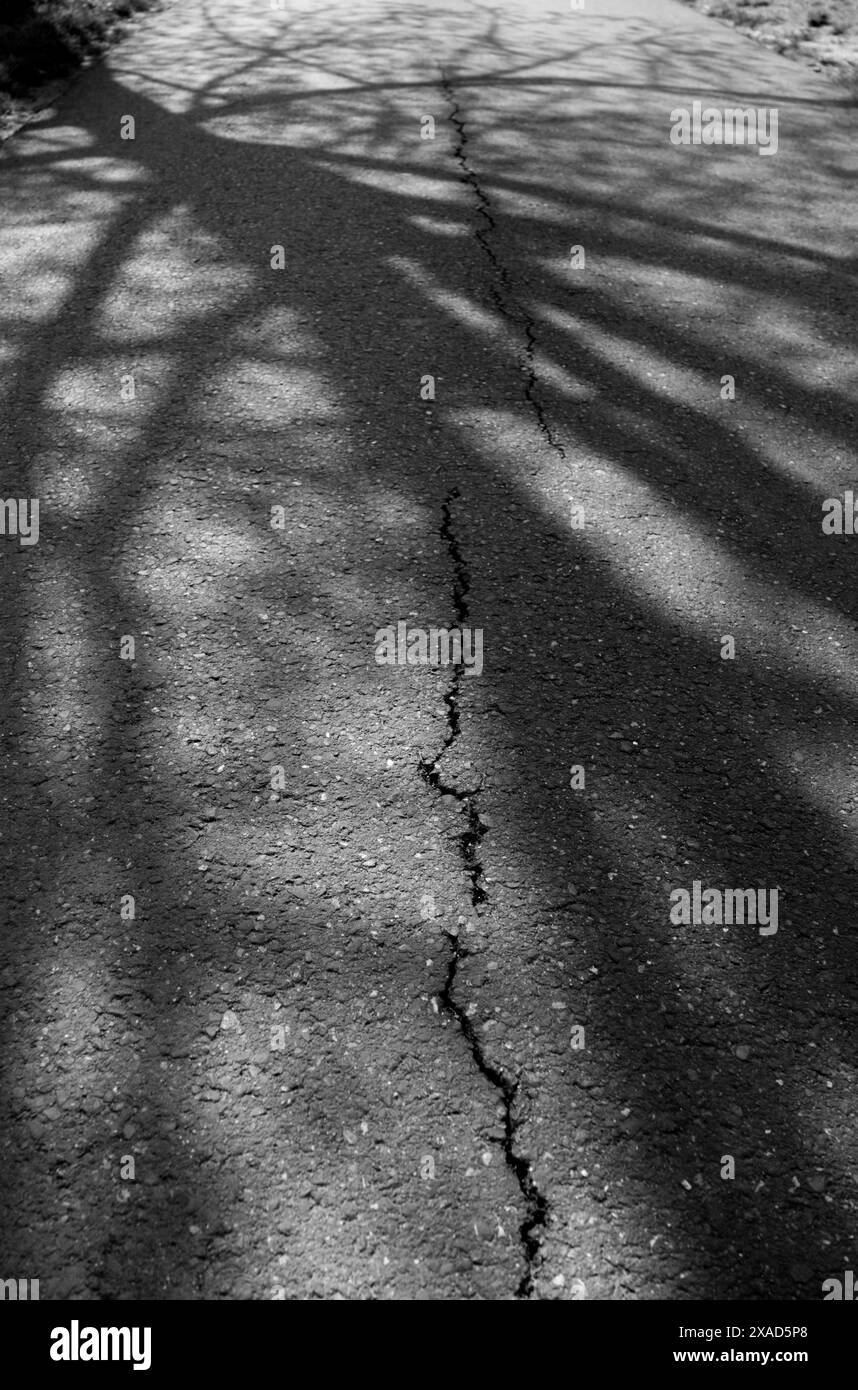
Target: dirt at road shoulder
<point>824,35</point>
<point>43,42</point>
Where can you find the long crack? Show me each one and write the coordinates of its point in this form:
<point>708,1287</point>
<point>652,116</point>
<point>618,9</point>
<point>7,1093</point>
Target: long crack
<point>469,840</point>
<point>536,1205</point>
<point>500,287</point>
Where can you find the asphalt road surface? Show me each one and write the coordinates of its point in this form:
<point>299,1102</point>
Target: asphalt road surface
<point>324,977</point>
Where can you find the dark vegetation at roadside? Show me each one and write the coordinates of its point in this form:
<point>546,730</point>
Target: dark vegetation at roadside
<point>43,40</point>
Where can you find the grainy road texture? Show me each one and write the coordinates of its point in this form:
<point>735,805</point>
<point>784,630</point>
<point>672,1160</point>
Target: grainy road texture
<point>298,948</point>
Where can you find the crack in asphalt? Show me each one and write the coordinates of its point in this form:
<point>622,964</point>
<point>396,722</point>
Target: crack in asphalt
<point>469,840</point>
<point>505,299</point>
<point>536,1204</point>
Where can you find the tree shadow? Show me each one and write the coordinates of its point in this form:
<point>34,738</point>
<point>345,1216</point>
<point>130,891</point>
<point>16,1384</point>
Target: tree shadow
<point>254,374</point>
